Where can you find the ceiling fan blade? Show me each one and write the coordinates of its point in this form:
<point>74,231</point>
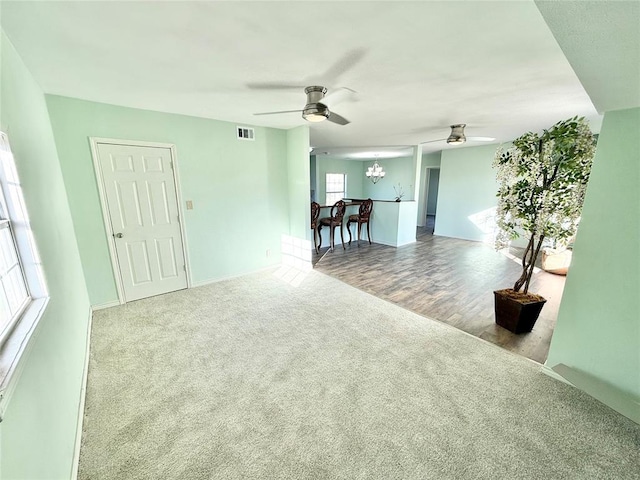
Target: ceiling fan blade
<point>338,95</point>
<point>480,139</point>
<point>275,113</point>
<point>335,118</point>
<point>434,141</point>
<point>330,76</point>
<point>273,86</point>
<point>347,62</point>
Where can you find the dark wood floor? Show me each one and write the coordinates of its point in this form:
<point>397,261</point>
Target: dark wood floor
<point>450,280</point>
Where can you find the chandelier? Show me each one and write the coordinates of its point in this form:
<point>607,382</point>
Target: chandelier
<point>375,172</point>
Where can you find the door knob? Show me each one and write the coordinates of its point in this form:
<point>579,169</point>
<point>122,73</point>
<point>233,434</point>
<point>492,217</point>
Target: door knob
<point>117,235</point>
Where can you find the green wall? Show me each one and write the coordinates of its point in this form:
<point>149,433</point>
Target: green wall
<point>598,329</point>
<point>353,169</point>
<point>432,160</point>
<point>398,170</point>
<point>467,194</point>
<point>298,176</point>
<point>239,188</point>
<point>39,429</point>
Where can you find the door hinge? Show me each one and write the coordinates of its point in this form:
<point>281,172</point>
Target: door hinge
<point>184,267</point>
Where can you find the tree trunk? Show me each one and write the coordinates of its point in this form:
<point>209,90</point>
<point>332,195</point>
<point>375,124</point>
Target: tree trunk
<point>523,277</point>
<point>533,263</point>
<point>528,262</point>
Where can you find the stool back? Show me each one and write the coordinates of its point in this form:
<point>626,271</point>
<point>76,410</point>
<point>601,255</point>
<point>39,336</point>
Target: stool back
<point>315,214</point>
<point>365,209</point>
<point>337,211</point>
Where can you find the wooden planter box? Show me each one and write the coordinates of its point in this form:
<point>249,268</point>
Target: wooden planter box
<point>518,315</point>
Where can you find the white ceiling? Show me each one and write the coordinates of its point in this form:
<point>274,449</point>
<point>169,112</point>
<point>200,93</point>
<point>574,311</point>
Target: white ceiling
<point>418,67</point>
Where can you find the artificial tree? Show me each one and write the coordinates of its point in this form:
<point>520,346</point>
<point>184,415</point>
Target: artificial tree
<point>542,182</point>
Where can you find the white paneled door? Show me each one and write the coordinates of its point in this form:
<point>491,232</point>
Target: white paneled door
<point>142,202</point>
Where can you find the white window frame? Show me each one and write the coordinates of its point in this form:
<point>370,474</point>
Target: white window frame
<point>331,194</point>
<point>15,339</point>
<point>13,286</point>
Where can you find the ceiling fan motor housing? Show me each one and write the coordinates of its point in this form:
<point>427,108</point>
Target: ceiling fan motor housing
<point>314,110</point>
<point>457,134</point>
<point>315,93</point>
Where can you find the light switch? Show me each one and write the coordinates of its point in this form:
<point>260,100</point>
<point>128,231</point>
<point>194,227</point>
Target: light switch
<point>189,204</point>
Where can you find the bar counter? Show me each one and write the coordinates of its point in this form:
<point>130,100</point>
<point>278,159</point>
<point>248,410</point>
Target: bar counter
<point>392,223</point>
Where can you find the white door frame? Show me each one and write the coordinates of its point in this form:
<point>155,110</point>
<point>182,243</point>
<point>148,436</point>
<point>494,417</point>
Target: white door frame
<point>106,217</point>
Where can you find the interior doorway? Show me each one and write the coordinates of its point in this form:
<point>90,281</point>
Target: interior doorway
<point>139,195</point>
<point>432,180</point>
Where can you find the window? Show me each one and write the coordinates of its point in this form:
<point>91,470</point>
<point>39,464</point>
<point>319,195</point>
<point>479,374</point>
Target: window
<point>23,292</point>
<point>336,187</point>
<point>17,248</point>
<point>14,295</point>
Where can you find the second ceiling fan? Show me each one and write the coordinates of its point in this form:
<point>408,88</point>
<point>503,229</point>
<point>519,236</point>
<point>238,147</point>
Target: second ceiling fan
<point>457,136</point>
<point>317,106</point>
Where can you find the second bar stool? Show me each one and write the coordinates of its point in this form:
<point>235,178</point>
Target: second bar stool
<point>362,217</point>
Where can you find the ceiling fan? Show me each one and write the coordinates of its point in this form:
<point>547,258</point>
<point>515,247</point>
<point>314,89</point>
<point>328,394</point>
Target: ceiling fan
<point>457,136</point>
<point>317,107</point>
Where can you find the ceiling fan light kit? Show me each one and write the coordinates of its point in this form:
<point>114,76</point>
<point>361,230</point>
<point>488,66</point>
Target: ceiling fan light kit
<point>315,112</point>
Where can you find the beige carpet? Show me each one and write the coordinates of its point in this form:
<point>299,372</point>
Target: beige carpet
<point>254,378</point>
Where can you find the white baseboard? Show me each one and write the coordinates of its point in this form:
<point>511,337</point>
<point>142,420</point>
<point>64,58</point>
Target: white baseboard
<point>202,283</point>
<point>395,245</point>
<point>102,306</point>
<point>548,371</point>
<point>83,394</point>
<point>407,243</point>
<point>601,390</point>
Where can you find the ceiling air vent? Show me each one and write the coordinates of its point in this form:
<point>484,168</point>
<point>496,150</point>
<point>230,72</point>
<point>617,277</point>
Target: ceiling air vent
<point>245,133</point>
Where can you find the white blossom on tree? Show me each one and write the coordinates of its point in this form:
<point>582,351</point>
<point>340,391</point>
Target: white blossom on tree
<point>542,182</point>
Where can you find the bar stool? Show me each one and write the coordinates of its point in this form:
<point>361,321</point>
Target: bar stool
<point>335,220</point>
<point>315,214</point>
<point>360,218</point>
